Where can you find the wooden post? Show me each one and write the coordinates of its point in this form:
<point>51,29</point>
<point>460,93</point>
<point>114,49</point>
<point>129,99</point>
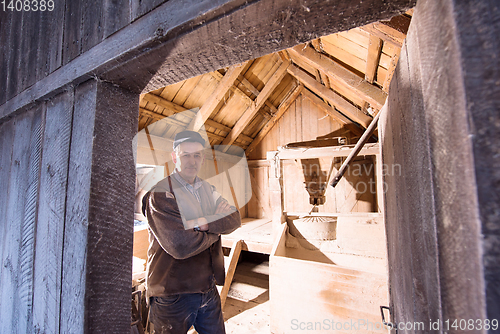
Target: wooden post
<point>275,191</point>
<point>233,261</point>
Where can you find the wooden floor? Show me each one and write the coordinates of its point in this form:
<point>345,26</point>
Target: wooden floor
<point>256,234</point>
<point>247,306</point>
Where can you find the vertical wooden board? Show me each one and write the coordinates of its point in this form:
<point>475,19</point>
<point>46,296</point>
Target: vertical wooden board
<point>323,123</point>
<point>15,215</point>
<point>116,16</point>
<point>421,213</point>
<point>285,126</point>
<point>72,31</point>
<point>51,40</point>
<point>77,210</point>
<point>6,147</point>
<point>397,224</point>
<point>51,209</point>
<point>297,105</point>
<point>28,231</point>
<point>29,46</point>
<point>92,24</point>
<point>5,22</point>
<point>306,120</point>
<point>111,212</point>
<point>14,56</point>
<point>139,8</point>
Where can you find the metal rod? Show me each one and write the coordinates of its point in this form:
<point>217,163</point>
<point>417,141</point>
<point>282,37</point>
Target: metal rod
<point>359,145</point>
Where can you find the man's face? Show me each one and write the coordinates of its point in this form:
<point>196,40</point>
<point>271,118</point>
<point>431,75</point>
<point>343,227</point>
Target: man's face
<point>188,159</point>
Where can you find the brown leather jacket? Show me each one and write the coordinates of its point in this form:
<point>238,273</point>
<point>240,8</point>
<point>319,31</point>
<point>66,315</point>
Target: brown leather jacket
<point>180,260</point>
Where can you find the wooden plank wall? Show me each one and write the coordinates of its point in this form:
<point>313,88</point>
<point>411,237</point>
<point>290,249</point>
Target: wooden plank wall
<point>442,128</point>
<point>46,162</point>
<point>36,44</point>
<point>304,121</point>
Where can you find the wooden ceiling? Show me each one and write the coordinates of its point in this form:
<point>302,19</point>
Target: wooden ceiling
<point>346,74</point>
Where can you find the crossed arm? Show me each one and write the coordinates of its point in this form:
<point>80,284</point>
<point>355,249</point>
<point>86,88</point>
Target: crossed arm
<point>165,222</point>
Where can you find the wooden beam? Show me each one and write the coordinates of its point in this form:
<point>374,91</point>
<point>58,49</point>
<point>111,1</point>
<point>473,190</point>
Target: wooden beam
<point>227,129</point>
<point>373,58</point>
<point>336,100</point>
<point>256,92</point>
<point>269,125</point>
<point>161,102</point>
<point>158,117</point>
<point>214,99</point>
<point>320,152</point>
<point>374,95</point>
<point>390,72</point>
<point>235,90</point>
<point>256,105</point>
<point>234,255</point>
<point>386,33</point>
<point>334,113</point>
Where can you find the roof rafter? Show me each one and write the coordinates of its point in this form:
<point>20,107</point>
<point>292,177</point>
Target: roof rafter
<point>256,105</point>
<point>214,99</point>
<point>373,58</point>
<point>332,112</point>
<point>281,111</point>
<point>161,102</point>
<point>374,95</point>
<point>386,33</point>
<point>336,100</point>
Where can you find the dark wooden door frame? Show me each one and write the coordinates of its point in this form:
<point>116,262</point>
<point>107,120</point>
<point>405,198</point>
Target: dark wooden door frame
<point>236,32</point>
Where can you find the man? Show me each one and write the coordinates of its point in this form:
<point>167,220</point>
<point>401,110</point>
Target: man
<point>186,216</point>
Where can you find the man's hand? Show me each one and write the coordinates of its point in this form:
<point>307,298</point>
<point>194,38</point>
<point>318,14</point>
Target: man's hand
<point>223,207</point>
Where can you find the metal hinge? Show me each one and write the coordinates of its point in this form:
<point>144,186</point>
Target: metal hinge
<point>385,323</point>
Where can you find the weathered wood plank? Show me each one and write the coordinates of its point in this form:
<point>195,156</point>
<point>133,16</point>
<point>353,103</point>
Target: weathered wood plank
<point>77,210</point>
<point>5,23</point>
<point>213,101</point>
<point>374,95</point>
<point>26,256</point>
<point>336,100</point>
<point>116,15</point>
<point>111,211</point>
<point>233,261</point>
<point>139,8</point>
<point>6,148</point>
<point>29,46</point>
<point>72,43</point>
<point>12,237</point>
<point>50,48</point>
<point>14,56</point>
<point>269,125</point>
<point>92,25</point>
<point>51,209</point>
<point>374,53</point>
<point>254,108</point>
<point>478,23</point>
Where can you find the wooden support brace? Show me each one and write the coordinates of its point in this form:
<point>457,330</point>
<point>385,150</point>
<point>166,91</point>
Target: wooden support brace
<point>233,261</point>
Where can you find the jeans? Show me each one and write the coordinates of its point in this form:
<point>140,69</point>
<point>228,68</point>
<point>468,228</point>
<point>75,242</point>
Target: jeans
<point>177,313</point>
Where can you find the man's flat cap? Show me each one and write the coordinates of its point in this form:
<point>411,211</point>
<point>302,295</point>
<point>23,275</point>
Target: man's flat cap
<point>188,136</point>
